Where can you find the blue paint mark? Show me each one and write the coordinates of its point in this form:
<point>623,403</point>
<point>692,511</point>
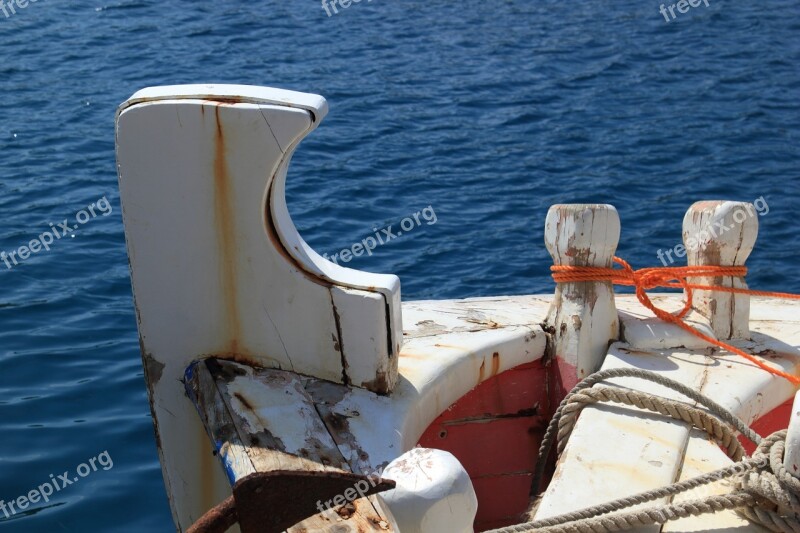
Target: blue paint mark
<point>227,464</point>
<point>189,374</point>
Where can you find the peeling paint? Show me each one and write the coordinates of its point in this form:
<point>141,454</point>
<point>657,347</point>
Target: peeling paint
<point>338,343</point>
<point>153,368</point>
<point>379,385</point>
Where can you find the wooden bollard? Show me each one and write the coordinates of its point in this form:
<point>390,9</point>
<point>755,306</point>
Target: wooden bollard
<point>721,233</point>
<point>791,455</point>
<point>583,316</point>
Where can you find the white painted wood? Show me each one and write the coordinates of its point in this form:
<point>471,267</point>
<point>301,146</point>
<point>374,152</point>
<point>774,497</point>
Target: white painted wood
<point>583,314</point>
<point>618,451</point>
<point>646,450</point>
<point>365,364</point>
<point>433,494</point>
<point>449,341</point>
<point>703,456</point>
<point>263,420</point>
<point>638,327</point>
<point>218,268</point>
<point>314,103</point>
<point>791,456</point>
<point>721,233</point>
<point>450,348</point>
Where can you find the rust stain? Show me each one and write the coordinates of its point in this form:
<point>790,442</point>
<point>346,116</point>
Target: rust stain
<point>380,385</point>
<point>411,355</point>
<point>244,401</point>
<point>346,511</point>
<point>224,216</point>
<point>229,100</point>
<point>482,372</point>
<point>272,234</point>
<point>495,363</point>
<point>451,347</point>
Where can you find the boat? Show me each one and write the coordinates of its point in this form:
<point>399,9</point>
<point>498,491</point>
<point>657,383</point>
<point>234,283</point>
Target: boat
<point>289,393</point>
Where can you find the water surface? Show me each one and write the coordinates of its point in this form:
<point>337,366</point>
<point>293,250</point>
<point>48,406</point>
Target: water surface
<point>488,112</point>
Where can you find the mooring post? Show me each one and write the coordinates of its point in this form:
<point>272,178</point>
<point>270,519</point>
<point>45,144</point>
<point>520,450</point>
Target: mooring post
<point>583,316</point>
<point>791,456</point>
<point>721,233</point>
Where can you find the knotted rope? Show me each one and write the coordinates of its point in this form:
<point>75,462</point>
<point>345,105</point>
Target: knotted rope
<point>764,491</point>
<point>677,278</point>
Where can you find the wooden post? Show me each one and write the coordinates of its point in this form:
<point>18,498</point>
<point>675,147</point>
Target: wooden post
<point>721,233</point>
<point>791,456</point>
<point>583,316</point>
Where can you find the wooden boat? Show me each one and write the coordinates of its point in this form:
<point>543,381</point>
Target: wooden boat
<point>322,402</point>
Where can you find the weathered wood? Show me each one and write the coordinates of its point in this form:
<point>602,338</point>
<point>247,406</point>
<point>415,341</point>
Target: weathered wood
<point>703,456</point>
<point>218,422</point>
<point>721,233</point>
<point>262,420</point>
<point>791,457</point>
<point>275,419</point>
<point>582,316</point>
<point>219,269</point>
<point>616,451</point>
<point>638,326</point>
<point>452,346</point>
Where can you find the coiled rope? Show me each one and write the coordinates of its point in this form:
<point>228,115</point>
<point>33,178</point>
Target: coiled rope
<point>764,492</point>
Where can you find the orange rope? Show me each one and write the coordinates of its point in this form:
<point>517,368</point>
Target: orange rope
<point>673,277</point>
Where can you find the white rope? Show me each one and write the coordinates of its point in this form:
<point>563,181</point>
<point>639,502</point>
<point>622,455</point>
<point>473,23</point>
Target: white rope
<point>764,493</point>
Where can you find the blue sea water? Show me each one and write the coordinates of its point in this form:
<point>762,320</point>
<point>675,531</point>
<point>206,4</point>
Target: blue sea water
<point>488,112</point>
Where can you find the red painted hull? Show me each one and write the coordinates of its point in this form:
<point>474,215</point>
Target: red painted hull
<point>496,429</point>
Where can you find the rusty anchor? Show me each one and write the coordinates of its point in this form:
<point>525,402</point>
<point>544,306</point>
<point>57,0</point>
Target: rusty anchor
<point>271,502</point>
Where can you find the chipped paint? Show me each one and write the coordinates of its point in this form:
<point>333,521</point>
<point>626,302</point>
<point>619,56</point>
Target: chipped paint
<point>204,166</point>
<point>338,344</point>
<point>154,369</point>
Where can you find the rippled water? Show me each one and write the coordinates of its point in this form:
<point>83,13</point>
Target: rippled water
<point>488,112</point>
